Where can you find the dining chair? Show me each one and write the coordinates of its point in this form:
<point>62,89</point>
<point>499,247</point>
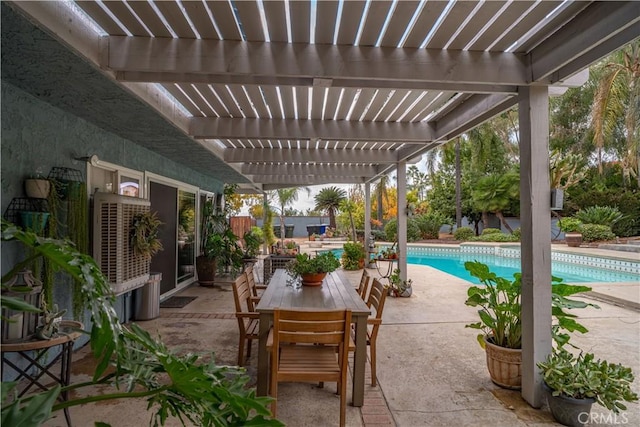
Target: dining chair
<point>304,350</point>
<point>376,299</point>
<point>256,289</point>
<point>363,287</point>
<point>248,322</point>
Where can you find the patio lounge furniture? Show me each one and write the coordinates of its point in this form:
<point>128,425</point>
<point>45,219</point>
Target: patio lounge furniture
<point>304,350</point>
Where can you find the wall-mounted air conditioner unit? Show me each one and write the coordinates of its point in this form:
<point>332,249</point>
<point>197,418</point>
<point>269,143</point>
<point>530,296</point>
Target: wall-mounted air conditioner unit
<point>112,221</point>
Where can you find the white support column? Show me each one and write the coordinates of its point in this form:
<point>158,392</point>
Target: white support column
<point>536,237</point>
<point>367,220</point>
<point>402,219</point>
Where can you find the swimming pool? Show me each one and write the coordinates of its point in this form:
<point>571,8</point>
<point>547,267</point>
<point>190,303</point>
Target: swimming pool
<point>505,261</point>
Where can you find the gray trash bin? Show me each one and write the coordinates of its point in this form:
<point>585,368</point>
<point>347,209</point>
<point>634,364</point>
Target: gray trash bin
<point>147,298</point>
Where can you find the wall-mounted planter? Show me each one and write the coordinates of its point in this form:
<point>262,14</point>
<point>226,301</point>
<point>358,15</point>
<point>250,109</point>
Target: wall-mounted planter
<point>37,188</point>
<point>34,221</point>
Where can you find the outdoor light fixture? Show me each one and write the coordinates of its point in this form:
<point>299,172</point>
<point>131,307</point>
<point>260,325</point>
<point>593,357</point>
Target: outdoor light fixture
<point>93,159</point>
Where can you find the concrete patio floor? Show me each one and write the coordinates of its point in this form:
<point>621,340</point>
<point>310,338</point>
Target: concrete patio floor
<point>431,371</point>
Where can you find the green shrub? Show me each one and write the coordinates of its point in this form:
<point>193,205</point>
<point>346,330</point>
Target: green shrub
<point>495,237</point>
<point>628,201</point>
<point>429,224</point>
<point>379,235</point>
<point>463,234</point>
<point>352,253</point>
<point>596,232</point>
<point>517,234</point>
<point>602,215</point>
<point>491,231</point>
<point>391,230</point>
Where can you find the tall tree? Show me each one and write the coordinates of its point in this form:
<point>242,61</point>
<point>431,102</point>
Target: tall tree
<point>382,196</point>
<point>328,200</point>
<point>418,181</point>
<point>616,107</point>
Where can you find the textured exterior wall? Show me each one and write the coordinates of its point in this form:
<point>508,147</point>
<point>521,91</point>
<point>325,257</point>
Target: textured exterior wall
<point>38,135</point>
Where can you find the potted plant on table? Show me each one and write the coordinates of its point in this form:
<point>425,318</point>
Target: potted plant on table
<point>576,382</point>
<point>498,300</point>
<point>572,228</point>
<point>312,270</point>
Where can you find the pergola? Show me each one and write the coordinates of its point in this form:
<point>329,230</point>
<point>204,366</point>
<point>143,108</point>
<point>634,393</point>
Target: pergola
<point>274,94</point>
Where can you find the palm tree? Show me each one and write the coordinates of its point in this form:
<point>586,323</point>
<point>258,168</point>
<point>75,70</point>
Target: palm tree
<point>616,107</point>
<point>328,199</point>
<point>285,197</point>
<point>494,193</point>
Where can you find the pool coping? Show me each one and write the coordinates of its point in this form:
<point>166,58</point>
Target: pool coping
<point>625,262</point>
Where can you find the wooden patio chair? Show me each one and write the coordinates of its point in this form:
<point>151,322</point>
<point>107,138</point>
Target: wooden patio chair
<point>256,289</point>
<point>248,322</point>
<point>376,299</point>
<point>363,287</point>
<point>304,350</point>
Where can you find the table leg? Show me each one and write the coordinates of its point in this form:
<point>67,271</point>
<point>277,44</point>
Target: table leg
<point>263,355</point>
<point>65,375</point>
<point>359,361</point>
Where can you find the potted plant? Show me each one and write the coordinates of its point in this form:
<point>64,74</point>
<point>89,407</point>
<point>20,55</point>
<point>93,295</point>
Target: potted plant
<point>37,186</point>
<point>576,382</point>
<point>184,386</point>
<point>252,241</point>
<point>498,300</point>
<point>353,256</point>
<point>312,270</point>
<point>572,228</point>
<point>399,287</point>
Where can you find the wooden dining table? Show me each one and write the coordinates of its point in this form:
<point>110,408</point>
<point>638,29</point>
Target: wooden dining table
<point>336,292</point>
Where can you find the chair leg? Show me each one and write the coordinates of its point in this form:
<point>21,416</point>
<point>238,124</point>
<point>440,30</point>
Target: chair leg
<point>373,364</point>
<point>249,349</point>
<point>343,401</point>
<point>273,392</point>
<point>240,350</point>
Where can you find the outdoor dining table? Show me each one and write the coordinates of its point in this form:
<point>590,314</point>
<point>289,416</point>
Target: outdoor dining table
<point>336,292</point>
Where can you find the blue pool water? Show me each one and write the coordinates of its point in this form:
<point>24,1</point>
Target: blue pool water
<point>453,263</point>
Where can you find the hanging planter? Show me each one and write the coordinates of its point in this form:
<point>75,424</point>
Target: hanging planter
<point>34,221</point>
<point>37,188</point>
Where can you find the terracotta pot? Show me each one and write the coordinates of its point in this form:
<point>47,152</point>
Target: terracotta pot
<point>567,410</point>
<point>573,240</point>
<point>505,365</point>
<point>206,269</point>
<point>313,279</point>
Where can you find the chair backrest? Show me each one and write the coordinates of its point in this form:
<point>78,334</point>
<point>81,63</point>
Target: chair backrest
<point>242,295</point>
<point>311,327</point>
<point>377,297</point>
<point>251,280</point>
<point>363,287</point>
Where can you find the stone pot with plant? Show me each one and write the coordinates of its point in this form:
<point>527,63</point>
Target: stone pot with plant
<point>399,287</point>
<point>572,228</point>
<point>574,383</point>
<point>312,270</point>
<point>499,303</point>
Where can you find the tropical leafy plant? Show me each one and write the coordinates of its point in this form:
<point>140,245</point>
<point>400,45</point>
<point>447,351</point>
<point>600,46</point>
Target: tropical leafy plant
<point>353,253</point>
<point>499,302</point>
<point>601,215</point>
<point>583,377</point>
<point>429,224</point>
<point>252,241</point>
<point>132,362</point>
<point>396,284</point>
<point>494,193</point>
<point>324,262</point>
<point>570,225</point>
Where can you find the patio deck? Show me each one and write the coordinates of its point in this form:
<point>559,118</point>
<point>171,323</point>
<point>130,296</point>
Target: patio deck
<point>431,372</point>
